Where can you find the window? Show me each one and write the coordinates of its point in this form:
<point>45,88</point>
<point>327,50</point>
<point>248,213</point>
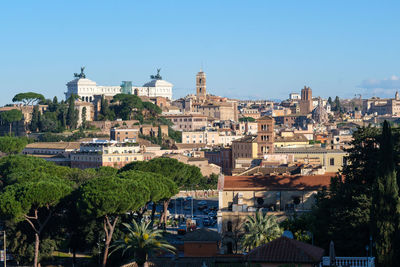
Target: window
<point>332,161</point>
<point>229,226</point>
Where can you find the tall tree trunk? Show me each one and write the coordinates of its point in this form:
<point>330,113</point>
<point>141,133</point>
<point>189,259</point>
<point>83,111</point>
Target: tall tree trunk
<point>153,212</point>
<point>73,256</point>
<point>109,230</point>
<point>35,261</point>
<point>10,128</point>
<point>165,212</point>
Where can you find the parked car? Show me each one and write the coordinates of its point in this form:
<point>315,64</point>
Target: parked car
<point>202,207</point>
<point>182,229</point>
<point>202,203</point>
<point>206,222</point>
<point>206,211</point>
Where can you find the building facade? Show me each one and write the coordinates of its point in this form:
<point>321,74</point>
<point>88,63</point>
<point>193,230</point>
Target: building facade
<point>188,121</point>
<point>87,89</point>
<point>99,153</point>
<point>265,135</point>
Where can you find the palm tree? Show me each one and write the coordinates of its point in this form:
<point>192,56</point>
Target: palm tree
<point>260,229</point>
<point>141,241</point>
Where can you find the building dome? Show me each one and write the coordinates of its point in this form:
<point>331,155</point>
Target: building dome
<point>82,82</point>
<point>319,114</point>
<point>158,83</point>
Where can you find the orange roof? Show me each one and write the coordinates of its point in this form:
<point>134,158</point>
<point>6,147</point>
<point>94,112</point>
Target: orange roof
<point>288,250</point>
<point>277,182</point>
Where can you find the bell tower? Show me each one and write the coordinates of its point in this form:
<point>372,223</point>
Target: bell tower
<point>201,90</point>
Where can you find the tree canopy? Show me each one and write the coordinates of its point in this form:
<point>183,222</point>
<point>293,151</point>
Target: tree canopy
<point>33,202</point>
<point>12,145</point>
<point>28,98</point>
<point>184,175</point>
<point>109,197</point>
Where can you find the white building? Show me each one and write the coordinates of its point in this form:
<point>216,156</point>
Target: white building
<point>86,89</point>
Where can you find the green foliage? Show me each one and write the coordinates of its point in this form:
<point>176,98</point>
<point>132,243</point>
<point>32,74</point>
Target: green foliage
<point>50,137</point>
<point>385,210</point>
<point>249,119</point>
<point>72,114</point>
<point>127,105</point>
<point>22,168</point>
<point>11,116</point>
<point>160,187</point>
<point>152,108</point>
<point>175,135</point>
<point>34,126</point>
<point>209,182</point>
<point>111,195</point>
<point>184,175</point>
<point>12,145</point>
<point>28,98</point>
<point>141,241</point>
<point>260,229</point>
<point>83,117</point>
<point>300,226</point>
<point>105,112</point>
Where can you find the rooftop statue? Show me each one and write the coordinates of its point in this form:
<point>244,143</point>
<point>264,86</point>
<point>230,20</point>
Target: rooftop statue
<point>80,75</point>
<point>156,77</point>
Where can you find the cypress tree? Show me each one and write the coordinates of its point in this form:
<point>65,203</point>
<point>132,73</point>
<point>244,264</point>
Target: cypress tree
<point>72,118</point>
<point>385,204</point>
<point>83,117</point>
<point>35,119</point>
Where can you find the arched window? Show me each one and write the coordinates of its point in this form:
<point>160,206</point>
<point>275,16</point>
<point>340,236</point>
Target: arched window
<point>200,81</point>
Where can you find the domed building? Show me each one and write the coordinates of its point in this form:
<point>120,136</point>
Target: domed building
<point>87,89</point>
<point>319,114</point>
<point>157,87</point>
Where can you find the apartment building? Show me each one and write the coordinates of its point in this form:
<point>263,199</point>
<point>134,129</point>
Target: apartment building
<point>99,153</point>
<point>189,122</point>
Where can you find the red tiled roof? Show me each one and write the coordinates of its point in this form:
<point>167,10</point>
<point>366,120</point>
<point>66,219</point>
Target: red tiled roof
<point>277,182</point>
<point>286,250</point>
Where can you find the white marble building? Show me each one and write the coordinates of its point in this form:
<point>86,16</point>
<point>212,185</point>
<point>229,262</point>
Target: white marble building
<point>86,89</point>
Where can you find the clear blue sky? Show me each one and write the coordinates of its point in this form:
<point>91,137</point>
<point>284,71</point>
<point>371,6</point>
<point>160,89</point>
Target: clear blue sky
<point>249,49</point>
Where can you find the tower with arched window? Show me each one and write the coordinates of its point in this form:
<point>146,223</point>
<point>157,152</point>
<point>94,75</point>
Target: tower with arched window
<point>201,90</point>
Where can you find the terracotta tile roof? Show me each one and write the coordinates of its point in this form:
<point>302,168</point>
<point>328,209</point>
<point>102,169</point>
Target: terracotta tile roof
<point>278,182</point>
<point>286,250</point>
<point>54,145</point>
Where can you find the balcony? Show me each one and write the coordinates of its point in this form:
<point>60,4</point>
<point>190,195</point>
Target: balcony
<point>350,261</point>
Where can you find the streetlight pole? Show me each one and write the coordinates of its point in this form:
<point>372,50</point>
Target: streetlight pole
<point>5,249</point>
<point>192,208</point>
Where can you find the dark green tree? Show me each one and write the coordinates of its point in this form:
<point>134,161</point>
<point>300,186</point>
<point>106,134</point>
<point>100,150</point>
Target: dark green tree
<point>28,98</point>
<point>72,114</point>
<point>344,210</point>
<point>35,119</point>
<point>249,119</point>
<point>33,202</point>
<point>338,107</point>
<point>83,117</point>
<point>385,212</point>
<point>330,101</point>
<point>184,175</point>
<point>11,116</point>
<point>109,197</point>
<point>12,145</point>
